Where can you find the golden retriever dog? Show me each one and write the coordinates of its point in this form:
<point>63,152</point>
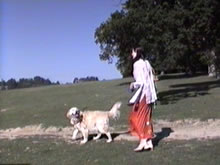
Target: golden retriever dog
<point>85,121</point>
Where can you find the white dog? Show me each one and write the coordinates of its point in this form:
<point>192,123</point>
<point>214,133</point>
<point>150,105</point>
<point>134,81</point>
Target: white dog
<point>92,121</point>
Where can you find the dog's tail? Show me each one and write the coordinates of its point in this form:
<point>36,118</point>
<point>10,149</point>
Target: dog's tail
<point>114,112</point>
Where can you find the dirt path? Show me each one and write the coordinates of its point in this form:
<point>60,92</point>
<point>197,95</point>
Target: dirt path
<point>166,130</point>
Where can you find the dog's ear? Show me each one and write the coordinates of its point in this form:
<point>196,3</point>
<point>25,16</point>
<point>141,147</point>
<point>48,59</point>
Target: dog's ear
<point>68,115</point>
<point>81,116</point>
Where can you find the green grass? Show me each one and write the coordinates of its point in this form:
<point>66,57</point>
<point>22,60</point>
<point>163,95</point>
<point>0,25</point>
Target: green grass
<point>48,105</point>
<point>180,97</point>
<point>50,151</point>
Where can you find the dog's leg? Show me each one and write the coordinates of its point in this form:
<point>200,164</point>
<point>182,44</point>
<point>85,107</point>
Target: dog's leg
<point>97,136</point>
<point>85,133</point>
<point>75,132</point>
<point>104,129</point>
<point>109,137</point>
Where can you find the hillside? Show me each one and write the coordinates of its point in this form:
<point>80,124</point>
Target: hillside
<point>179,98</point>
<point>34,129</point>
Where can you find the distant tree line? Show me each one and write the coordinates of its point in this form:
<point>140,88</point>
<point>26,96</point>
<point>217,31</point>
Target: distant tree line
<point>25,83</point>
<point>88,78</point>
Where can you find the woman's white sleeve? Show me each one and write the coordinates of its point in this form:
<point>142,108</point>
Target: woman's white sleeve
<point>138,76</point>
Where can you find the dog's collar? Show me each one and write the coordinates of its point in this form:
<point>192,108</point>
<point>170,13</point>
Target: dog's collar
<point>80,118</point>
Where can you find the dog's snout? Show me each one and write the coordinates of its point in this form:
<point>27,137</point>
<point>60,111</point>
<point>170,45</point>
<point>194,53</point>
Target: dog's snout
<point>77,114</point>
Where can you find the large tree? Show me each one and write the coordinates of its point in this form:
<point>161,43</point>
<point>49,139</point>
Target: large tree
<point>175,34</point>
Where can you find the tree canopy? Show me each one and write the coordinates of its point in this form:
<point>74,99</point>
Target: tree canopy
<point>175,34</point>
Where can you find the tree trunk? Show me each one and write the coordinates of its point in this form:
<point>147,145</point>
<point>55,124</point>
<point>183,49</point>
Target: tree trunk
<point>211,70</point>
<point>190,69</point>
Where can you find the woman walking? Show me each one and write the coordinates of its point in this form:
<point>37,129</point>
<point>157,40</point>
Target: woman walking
<point>142,101</point>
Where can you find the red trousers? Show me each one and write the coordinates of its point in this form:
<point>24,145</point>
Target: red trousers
<point>140,120</point>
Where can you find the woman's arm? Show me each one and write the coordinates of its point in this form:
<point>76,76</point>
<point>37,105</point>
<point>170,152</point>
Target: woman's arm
<point>138,76</point>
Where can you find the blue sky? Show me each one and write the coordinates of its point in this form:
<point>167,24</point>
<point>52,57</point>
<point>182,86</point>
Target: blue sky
<point>53,39</point>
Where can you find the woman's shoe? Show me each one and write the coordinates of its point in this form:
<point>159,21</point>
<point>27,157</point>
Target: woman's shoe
<point>149,145</point>
<point>141,146</point>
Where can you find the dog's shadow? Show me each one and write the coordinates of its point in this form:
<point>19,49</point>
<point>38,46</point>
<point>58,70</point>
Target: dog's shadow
<point>103,136</point>
<point>165,132</point>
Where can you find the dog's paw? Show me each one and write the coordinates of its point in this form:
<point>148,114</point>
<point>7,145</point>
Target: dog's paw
<point>95,138</point>
<point>109,141</point>
<point>83,141</point>
<point>73,138</point>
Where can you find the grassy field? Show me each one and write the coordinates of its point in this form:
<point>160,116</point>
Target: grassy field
<point>180,98</point>
<point>43,151</point>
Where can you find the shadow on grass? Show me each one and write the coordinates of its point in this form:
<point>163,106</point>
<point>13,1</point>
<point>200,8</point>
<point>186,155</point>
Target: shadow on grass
<point>179,76</point>
<point>187,90</point>
<point>165,132</point>
<point>125,83</point>
<point>103,136</point>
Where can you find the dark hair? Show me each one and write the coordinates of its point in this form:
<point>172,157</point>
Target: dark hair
<point>139,55</point>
